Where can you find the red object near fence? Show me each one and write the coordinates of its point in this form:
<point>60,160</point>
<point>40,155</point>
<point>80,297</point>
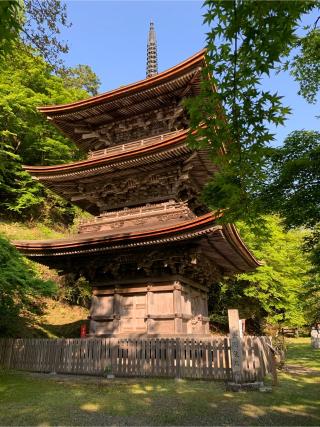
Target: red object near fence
<point>83,330</point>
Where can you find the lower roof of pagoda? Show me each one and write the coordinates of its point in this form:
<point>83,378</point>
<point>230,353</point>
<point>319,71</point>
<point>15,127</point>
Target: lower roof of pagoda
<point>221,243</point>
<point>86,183</point>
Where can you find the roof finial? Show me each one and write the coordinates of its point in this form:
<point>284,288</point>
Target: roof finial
<point>152,57</point>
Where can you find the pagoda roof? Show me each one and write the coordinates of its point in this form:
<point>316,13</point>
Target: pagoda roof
<point>82,117</point>
<point>118,157</point>
<point>222,243</point>
<point>153,155</point>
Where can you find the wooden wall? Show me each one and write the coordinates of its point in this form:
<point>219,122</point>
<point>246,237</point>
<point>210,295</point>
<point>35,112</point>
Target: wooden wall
<point>155,309</point>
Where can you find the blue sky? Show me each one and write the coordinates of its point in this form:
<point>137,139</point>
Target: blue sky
<point>111,37</point>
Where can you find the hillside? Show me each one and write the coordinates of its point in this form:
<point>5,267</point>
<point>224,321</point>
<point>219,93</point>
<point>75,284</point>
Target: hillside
<point>53,317</point>
<point>58,320</point>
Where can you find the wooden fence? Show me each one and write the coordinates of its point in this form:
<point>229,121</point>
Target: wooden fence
<point>175,357</point>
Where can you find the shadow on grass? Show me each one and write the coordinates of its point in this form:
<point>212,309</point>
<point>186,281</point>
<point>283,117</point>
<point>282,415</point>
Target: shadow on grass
<point>28,399</point>
<point>301,353</point>
<point>68,330</point>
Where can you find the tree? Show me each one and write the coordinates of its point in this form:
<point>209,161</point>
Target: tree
<point>274,292</point>
<point>81,77</point>
<point>19,288</point>
<point>305,67</point>
<point>246,41</point>
<point>295,180</point>
<point>41,29</point>
<point>11,20</point>
<point>25,136</point>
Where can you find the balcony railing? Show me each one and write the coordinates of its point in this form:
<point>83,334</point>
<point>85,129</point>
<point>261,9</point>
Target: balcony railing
<point>130,145</point>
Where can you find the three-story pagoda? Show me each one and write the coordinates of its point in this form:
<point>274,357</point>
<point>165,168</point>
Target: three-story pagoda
<point>153,248</point>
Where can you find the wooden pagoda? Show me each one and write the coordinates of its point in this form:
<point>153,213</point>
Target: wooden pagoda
<point>152,249</point>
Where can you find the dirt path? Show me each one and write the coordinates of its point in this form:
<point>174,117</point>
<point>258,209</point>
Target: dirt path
<point>300,370</point>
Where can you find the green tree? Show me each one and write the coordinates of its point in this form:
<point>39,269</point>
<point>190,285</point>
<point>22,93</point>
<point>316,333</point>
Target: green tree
<point>11,21</point>
<point>274,292</point>
<point>26,136</point>
<point>305,67</point>
<point>20,288</point>
<point>43,20</point>
<point>294,186</point>
<point>81,77</point>
<point>246,41</point>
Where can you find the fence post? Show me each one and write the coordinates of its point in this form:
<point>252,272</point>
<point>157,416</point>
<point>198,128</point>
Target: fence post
<point>8,353</point>
<point>235,345</point>
<point>114,345</point>
<point>178,358</point>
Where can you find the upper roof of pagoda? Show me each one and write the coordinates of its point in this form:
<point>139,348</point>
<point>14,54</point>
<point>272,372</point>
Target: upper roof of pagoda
<point>79,120</point>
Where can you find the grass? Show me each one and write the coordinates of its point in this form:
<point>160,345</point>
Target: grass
<point>44,400</point>
<point>57,320</point>
<point>28,231</point>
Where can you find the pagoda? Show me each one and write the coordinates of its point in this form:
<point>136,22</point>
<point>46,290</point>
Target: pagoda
<point>153,248</point>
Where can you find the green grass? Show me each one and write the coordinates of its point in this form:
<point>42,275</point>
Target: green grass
<point>31,399</point>
<point>28,231</point>
<point>299,354</point>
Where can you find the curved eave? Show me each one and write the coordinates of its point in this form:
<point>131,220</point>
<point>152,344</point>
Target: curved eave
<point>85,165</point>
<point>197,228</point>
<point>171,73</point>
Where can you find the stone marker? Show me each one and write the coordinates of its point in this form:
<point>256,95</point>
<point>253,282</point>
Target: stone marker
<point>235,345</point>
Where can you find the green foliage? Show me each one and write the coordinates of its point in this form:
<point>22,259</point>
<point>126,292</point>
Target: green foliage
<point>246,41</point>
<point>305,66</point>
<point>272,293</point>
<point>76,291</point>
<point>294,190</point>
<point>81,77</point>
<point>26,137</point>
<point>11,20</point>
<point>19,287</point>
<point>42,25</point>
<point>278,283</point>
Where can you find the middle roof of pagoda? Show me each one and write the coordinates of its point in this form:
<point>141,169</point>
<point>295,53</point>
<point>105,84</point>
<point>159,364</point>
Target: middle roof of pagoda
<point>79,120</point>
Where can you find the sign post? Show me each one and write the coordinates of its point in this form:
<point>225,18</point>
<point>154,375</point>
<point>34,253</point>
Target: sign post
<point>235,345</point>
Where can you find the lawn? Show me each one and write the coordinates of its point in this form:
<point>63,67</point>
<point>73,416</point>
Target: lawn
<point>44,400</point>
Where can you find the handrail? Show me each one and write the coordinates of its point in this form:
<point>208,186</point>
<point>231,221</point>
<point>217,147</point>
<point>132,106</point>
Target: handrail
<point>130,145</point>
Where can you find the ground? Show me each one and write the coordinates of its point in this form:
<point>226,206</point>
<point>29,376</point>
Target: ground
<point>57,320</point>
<point>45,400</point>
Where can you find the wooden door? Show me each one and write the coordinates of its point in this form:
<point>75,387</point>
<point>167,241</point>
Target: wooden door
<point>132,312</point>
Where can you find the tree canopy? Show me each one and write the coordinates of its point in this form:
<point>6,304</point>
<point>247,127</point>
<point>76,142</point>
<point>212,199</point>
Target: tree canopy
<point>26,81</point>
<point>247,40</point>
<point>294,179</point>
<point>273,292</point>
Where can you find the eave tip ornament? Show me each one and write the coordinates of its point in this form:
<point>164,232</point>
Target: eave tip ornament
<point>152,55</point>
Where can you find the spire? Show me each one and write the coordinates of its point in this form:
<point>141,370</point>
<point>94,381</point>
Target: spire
<point>152,57</point>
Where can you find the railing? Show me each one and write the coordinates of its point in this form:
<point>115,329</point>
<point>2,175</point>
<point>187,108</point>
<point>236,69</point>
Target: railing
<point>130,145</point>
<point>207,358</point>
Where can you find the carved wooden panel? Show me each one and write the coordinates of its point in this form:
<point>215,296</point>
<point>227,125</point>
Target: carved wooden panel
<point>163,303</point>
<point>164,326</point>
<point>151,123</point>
<point>102,306</point>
